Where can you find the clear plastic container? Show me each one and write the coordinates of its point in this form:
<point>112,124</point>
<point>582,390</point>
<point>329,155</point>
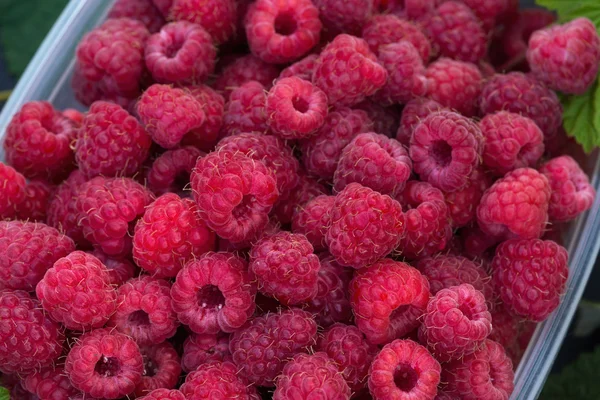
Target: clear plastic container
<point>48,78</point>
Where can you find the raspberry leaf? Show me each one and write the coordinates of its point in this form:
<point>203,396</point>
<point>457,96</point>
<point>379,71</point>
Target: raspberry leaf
<point>578,380</point>
<point>569,9</point>
<point>581,118</point>
<point>4,394</point>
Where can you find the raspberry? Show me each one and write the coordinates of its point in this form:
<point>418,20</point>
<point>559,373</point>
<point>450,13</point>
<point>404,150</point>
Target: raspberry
<point>306,190</point>
<point>110,142</point>
<point>348,72</point>
<point>485,374</point>
<point>161,368</point>
<point>12,191</point>
<point>383,318</point>
<point>455,32</point>
<point>385,29</point>
<point>504,327</point>
<point>414,111</point>
<point>375,161</point>
<point>213,105</point>
<point>62,213</point>
<point>181,52</point>
<point>566,57</point>
<point>477,243</point>
<point>170,172</point>
<point>28,250</point>
<point>487,11</point>
<point>163,6</point>
<point>517,34</point>
<point>262,348</point>
<point>321,152</point>
<point>446,148</point>
<point>523,189</point>
<point>217,17</point>
<point>530,275</point>
<point>105,364</point>
<point>120,270</point>
<point>50,383</point>
<point>245,111</point>
<point>462,204</point>
<point>108,209</point>
<point>245,69</point>
<point>302,69</point>
<point>427,220</point>
<point>169,113</point>
<point>214,293</point>
<point>34,205</point>
<point>38,140</point>
<point>164,394</point>
<point>281,31</point>
<point>201,349</point>
<point>141,10</point>
<point>348,348</point>
<point>30,339</point>
<point>572,193</point>
<point>346,16</point>
<point>216,380</point>
<point>404,370</point>
<point>511,141</point>
<point>74,115</point>
<point>312,220</point>
<point>234,194</point>
<point>385,119</point>
<point>455,84</point>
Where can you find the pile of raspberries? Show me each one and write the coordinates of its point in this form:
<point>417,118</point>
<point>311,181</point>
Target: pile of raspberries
<point>293,200</point>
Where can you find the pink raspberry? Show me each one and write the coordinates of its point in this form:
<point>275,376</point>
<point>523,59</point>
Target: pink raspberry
<point>218,380</point>
<point>245,110</point>
<point>110,142</point>
<point>365,226</point>
<point>216,16</point>
<point>312,220</point>
<point>383,318</point>
<point>120,270</point>
<point>262,348</point>
<point>346,16</point>
<point>375,161</point>
<point>12,191</point>
<point>446,148</point>
<point>413,113</point>
<point>108,209</point>
<point>572,193</point>
<point>38,140</point>
<point>455,32</point>
<point>234,194</point>
<point>245,69</point>
<point>62,213</point>
<point>30,339</point>
<point>488,11</point>
<point>404,369</point>
<point>213,105</point>
<point>28,250</point>
<point>181,52</point>
<point>74,115</point>
<point>385,119</point>
<point>302,69</point>
<point>50,383</point>
<point>142,10</point>
<point>455,84</point>
<point>427,220</point>
<point>385,29</point>
<point>511,141</point>
<point>348,72</point>
<point>170,172</point>
<point>34,205</point>
<point>306,190</point>
<point>566,57</point>
<point>164,394</point>
<point>204,348</point>
<point>214,293</point>
<point>162,368</point>
<point>462,204</point>
<point>523,189</point>
<point>485,374</point>
<point>105,364</point>
<point>530,275</point>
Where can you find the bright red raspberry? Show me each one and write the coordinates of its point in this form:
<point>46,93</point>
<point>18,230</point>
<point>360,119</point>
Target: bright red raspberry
<point>142,10</point>
<point>34,205</point>
<point>427,220</point>
<point>518,32</point>
<point>164,394</point>
<point>346,16</point>
<point>348,72</point>
<point>108,209</point>
<point>302,69</point>
<point>462,204</point>
<point>530,275</point>
<point>105,364</point>
<point>201,349</point>
<point>218,379</point>
<point>446,148</point>
<point>218,17</point>
<point>505,327</point>
<point>245,69</point>
<point>213,105</point>
<point>312,220</point>
<point>12,191</point>
<point>455,85</point>
<point>262,348</point>
<point>516,206</point>
<point>383,318</point>
<point>306,190</point>
<point>62,213</point>
<point>170,172</point>
<point>485,374</point>
<point>110,142</point>
<point>385,119</point>
<point>50,383</point>
<point>572,193</point>
<point>487,10</point>
<point>234,194</point>
<point>38,140</point>
<point>30,339</point>
<point>404,370</point>
<point>162,368</point>
<point>388,28</point>
<point>120,270</point>
<point>181,52</point>
<point>28,250</point>
<point>245,110</point>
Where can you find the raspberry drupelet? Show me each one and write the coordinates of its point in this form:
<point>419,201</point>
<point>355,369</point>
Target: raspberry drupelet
<point>302,69</point>
<point>245,110</point>
<point>120,270</point>
<point>171,171</point>
<point>142,10</point>
<point>213,104</point>
<point>162,368</point>
<point>217,17</point>
<point>245,69</point>
<point>218,379</point>
<point>385,29</point>
<point>34,205</point>
<point>312,220</point>
<point>462,204</point>
<point>346,16</point>
<point>201,349</point>
<point>62,213</point>
<point>50,383</point>
<point>12,191</point>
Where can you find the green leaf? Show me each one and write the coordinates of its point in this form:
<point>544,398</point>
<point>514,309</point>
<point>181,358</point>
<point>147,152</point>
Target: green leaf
<point>4,394</point>
<point>570,9</point>
<point>578,380</point>
<point>581,118</point>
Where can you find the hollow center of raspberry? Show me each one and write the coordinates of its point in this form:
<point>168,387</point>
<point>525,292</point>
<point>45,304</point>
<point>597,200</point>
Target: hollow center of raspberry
<point>150,367</point>
<point>300,104</point>
<point>441,152</point>
<point>405,377</point>
<point>138,318</point>
<point>243,209</point>
<point>467,310</point>
<point>210,297</point>
<point>285,24</point>
<point>108,366</point>
<point>397,313</point>
<point>172,50</point>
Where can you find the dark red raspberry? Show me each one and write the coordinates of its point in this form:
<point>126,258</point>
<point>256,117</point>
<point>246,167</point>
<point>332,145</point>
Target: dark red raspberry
<point>142,10</point>
<point>120,270</point>
<point>234,194</point>
<point>518,32</point>
<point>530,275</point>
<point>171,171</point>
<point>511,141</point>
<point>164,394</point>
<point>485,374</point>
<point>213,105</point>
<point>162,368</point>
<point>312,220</point>
<point>387,29</point>
<point>245,69</point>
<point>385,119</point>
<point>488,10</point>
<point>348,72</point>
<point>306,190</point>
<point>446,148</point>
<point>50,383</point>
<point>523,189</point>
<point>384,318</point>
<point>404,370</point>
<point>262,348</point>
<point>477,244</point>
<point>163,6</point>
<point>35,204</point>
<point>110,142</point>
<point>28,250</point>
<point>455,85</point>
<point>201,349</point>
<point>62,213</point>
<point>505,327</point>
<point>38,140</point>
<point>29,338</point>
<point>219,380</point>
<point>218,17</point>
<point>12,191</point>
<point>214,293</point>
<point>346,16</point>
<point>462,204</point>
<point>108,209</point>
<point>245,110</point>
<point>105,364</point>
<point>572,193</point>
<point>302,69</point>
